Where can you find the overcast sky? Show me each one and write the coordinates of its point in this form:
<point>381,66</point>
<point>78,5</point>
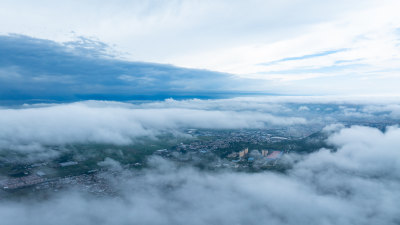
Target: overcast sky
<point>298,47</point>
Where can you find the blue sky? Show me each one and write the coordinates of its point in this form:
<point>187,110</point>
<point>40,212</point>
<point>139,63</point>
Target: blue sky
<point>302,47</point>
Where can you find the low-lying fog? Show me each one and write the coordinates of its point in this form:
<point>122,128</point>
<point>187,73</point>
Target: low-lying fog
<point>357,184</point>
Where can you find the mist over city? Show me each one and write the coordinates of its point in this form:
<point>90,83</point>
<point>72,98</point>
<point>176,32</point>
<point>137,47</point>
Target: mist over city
<point>199,112</point>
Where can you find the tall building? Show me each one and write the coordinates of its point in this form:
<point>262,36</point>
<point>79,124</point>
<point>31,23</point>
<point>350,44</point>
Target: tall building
<point>244,152</point>
<point>264,153</point>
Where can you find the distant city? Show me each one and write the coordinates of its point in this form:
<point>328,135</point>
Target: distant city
<point>246,150</point>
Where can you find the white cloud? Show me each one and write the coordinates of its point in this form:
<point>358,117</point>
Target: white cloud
<point>273,103</point>
<point>111,164</point>
<point>357,184</point>
<point>393,109</point>
<point>117,123</point>
<point>26,129</point>
<point>303,108</point>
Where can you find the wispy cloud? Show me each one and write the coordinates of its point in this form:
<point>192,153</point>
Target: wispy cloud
<point>318,54</point>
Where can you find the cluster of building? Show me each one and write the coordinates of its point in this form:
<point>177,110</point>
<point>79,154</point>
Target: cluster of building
<point>223,140</point>
<point>241,159</point>
<point>91,183</point>
<point>202,149</point>
<point>31,176</point>
<point>266,155</point>
<point>196,151</point>
<point>254,159</point>
<point>21,182</point>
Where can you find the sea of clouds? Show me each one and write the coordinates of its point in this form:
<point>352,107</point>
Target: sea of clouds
<point>30,129</point>
<point>359,183</point>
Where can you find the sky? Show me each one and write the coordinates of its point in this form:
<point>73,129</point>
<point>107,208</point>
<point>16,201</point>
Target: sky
<point>302,47</point>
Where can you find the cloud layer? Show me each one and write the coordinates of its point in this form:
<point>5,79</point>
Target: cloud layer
<point>39,70</point>
<point>118,123</point>
<point>357,184</point>
<point>28,128</point>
